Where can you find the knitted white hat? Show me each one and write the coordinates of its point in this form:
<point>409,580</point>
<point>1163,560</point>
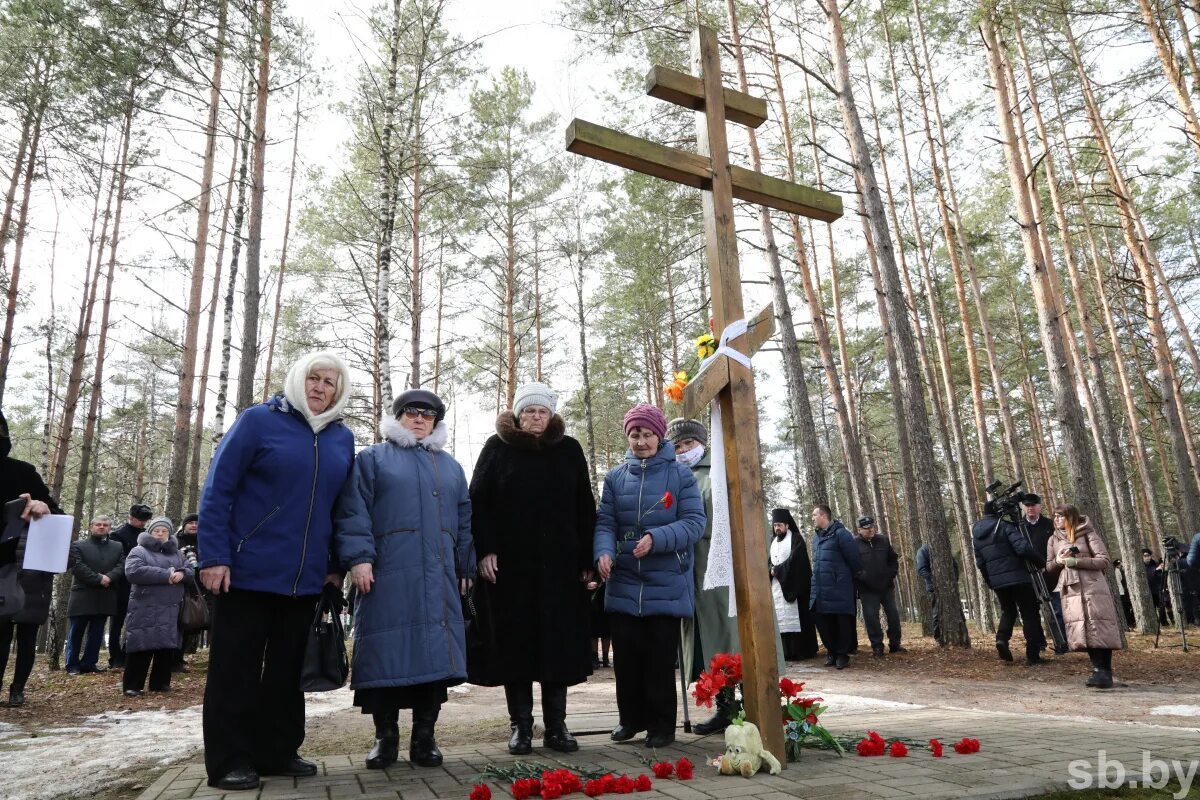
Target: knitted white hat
<point>534,394</point>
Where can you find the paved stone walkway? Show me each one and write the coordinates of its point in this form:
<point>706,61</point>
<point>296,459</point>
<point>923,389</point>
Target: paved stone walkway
<point>1021,756</point>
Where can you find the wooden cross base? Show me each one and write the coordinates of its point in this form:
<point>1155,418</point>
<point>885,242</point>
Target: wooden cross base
<point>727,380</point>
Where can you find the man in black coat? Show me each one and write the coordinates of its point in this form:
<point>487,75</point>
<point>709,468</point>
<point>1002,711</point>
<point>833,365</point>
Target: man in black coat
<point>99,566</point>
<point>19,478</point>
<point>1155,577</point>
<point>1040,529</point>
<point>877,586</point>
<point>1003,556</point>
<point>127,536</point>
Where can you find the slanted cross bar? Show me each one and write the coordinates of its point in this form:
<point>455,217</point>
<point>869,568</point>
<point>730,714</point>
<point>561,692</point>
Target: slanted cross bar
<point>727,380</point>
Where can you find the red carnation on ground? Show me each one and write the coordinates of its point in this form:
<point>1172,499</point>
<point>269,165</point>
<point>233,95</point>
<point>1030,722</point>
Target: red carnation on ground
<point>662,769</point>
<point>594,788</point>
<point>481,792</point>
<point>608,782</point>
<point>936,747</point>
<point>873,745</point>
<point>684,769</point>
<point>966,746</point>
<point>623,785</point>
<point>789,688</point>
<point>897,750</point>
<point>642,783</point>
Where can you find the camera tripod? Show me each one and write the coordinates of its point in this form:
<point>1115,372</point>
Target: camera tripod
<point>1043,594</point>
<point>1172,590</point>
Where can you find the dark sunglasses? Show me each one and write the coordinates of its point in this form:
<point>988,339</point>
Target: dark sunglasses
<point>412,412</point>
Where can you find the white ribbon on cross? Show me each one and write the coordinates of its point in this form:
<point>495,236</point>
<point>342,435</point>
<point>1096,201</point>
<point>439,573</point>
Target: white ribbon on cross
<point>719,571</point>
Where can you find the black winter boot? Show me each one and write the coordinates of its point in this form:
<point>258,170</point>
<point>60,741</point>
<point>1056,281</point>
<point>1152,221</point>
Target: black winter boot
<point>387,740</point>
<point>520,717</point>
<point>422,747</point>
<point>554,713</point>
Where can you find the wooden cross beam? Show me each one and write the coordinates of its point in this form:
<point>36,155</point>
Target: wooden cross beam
<point>727,380</point>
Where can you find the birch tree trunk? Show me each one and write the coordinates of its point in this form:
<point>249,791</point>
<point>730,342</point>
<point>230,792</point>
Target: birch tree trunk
<point>251,289</point>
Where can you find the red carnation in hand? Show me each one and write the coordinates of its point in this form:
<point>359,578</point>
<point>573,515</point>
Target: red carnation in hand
<point>662,769</point>
<point>668,499</point>
<point>897,750</point>
<point>481,792</point>
<point>642,783</point>
<point>789,688</point>
<point>936,747</point>
<point>684,769</point>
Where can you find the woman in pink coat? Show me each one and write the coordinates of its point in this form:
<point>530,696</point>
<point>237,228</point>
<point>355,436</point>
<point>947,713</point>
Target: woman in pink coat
<point>1077,557</point>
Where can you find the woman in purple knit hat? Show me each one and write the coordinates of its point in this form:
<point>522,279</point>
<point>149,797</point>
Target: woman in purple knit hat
<point>651,514</point>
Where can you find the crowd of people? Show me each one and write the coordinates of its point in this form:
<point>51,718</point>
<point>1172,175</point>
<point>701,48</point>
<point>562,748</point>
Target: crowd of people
<point>522,550</point>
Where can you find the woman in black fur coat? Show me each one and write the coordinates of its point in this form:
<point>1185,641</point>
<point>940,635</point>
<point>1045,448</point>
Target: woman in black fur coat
<point>533,513</point>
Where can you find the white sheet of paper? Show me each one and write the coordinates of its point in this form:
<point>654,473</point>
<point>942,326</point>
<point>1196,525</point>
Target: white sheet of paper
<point>49,543</point>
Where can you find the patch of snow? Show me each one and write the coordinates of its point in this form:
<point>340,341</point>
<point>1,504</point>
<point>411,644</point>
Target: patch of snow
<point>1176,711</point>
<point>850,702</point>
<point>110,746</point>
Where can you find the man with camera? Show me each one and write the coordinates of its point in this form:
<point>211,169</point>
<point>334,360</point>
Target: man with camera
<point>1040,529</point>
<point>1003,555</point>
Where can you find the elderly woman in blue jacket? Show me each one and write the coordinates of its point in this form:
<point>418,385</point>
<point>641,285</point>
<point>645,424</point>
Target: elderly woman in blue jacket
<point>404,533</point>
<point>267,508</point>
<point>651,515</point>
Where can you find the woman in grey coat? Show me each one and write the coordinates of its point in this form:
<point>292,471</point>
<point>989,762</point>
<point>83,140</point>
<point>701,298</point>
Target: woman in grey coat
<point>156,571</point>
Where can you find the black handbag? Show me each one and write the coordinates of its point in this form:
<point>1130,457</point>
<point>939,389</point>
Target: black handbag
<point>483,654</point>
<point>12,594</point>
<point>193,612</point>
<point>325,666</point>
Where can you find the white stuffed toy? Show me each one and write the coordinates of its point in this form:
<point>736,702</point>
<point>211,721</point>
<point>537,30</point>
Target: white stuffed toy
<point>744,751</point>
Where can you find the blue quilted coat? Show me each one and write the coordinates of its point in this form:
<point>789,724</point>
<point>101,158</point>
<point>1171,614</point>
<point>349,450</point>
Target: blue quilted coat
<point>835,562</point>
<point>661,582</point>
<point>405,510</point>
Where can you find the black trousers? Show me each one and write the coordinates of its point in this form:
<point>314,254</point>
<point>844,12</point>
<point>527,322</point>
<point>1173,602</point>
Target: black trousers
<point>837,632</point>
<point>871,603</point>
<point>519,697</point>
<point>253,706</point>
<point>116,653</point>
<point>1023,599</point>
<point>644,666</point>
<point>155,662</point>
<point>25,634</point>
<point>1100,658</point>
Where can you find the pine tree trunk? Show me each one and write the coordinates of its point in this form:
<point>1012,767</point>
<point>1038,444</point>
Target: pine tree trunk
<point>1139,248</point>
<point>1070,418</point>
<point>1161,37</point>
<point>805,432</point>
<point>510,301</point>
<point>283,255</point>
<point>180,441</point>
<point>933,518</point>
<point>251,289</point>
<point>14,180</point>
<point>82,332</point>
<point>14,271</point>
<point>580,277</point>
<point>1101,417</point>
<point>537,305</point>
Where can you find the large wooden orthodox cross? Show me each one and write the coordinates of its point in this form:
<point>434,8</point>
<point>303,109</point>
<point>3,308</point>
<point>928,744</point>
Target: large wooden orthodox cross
<point>726,379</point>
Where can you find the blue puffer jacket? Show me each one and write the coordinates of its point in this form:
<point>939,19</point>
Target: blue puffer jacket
<point>1002,553</point>
<point>267,507</point>
<point>835,562</point>
<point>1193,555</point>
<point>659,583</point>
<point>406,511</point>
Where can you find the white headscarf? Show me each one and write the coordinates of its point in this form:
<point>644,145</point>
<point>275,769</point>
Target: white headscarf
<point>294,388</point>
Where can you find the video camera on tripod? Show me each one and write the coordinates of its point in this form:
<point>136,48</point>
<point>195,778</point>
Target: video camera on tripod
<point>1006,504</point>
<point>1172,589</point>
